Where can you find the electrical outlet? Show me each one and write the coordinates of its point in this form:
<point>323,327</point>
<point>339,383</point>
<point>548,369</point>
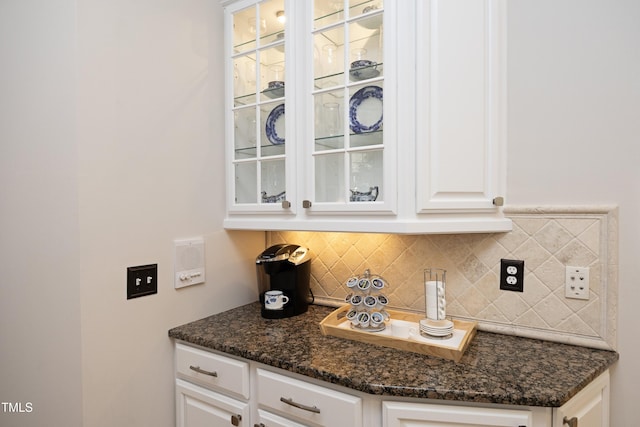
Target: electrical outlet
<point>142,280</point>
<point>512,275</point>
<point>576,282</point>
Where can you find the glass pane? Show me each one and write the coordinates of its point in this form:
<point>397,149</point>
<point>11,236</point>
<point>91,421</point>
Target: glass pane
<point>329,58</point>
<point>245,27</point>
<point>327,12</point>
<point>272,129</point>
<point>244,80</point>
<point>272,73</point>
<point>360,7</point>
<point>274,16</point>
<point>365,115</point>
<point>366,48</point>
<point>246,182</point>
<point>273,183</point>
<point>329,170</point>
<point>329,120</point>
<point>245,133</point>
<point>366,176</point>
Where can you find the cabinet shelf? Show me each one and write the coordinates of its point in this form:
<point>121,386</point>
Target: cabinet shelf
<point>271,94</point>
<point>265,42</point>
<point>267,151</point>
<point>370,140</point>
<point>328,18</point>
<point>357,76</point>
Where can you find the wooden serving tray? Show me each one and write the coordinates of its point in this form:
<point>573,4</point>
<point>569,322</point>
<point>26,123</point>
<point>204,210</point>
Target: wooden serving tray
<point>336,324</point>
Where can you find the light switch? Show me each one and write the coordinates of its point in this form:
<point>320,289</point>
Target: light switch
<point>189,262</point>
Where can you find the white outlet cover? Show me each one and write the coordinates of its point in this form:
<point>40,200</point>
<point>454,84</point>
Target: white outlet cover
<point>576,282</point>
<point>189,262</point>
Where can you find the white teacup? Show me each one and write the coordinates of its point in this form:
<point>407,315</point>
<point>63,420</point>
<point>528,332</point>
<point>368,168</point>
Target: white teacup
<point>275,300</point>
<point>401,328</point>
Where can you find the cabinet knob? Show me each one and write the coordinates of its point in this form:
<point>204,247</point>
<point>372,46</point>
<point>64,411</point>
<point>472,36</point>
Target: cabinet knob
<point>571,422</point>
<point>306,204</point>
<point>286,204</point>
<point>498,201</point>
<point>235,419</point>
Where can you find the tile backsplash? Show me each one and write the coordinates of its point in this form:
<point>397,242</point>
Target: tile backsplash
<point>546,238</point>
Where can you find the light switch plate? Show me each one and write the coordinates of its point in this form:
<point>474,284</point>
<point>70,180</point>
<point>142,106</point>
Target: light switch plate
<point>142,280</point>
<point>189,262</point>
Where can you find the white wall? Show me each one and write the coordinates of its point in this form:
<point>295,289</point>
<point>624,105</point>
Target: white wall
<point>39,279</point>
<point>151,167</point>
<point>574,135</point>
<point>112,147</point>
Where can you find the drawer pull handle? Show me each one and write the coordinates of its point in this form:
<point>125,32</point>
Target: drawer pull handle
<point>235,419</point>
<point>202,371</point>
<point>571,422</point>
<point>313,409</point>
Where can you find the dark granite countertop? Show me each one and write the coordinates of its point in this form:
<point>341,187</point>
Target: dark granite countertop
<point>495,368</point>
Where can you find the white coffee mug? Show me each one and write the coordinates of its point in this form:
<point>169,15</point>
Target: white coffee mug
<point>401,328</point>
<point>275,300</point>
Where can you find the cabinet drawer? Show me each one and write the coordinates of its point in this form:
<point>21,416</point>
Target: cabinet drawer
<point>307,402</point>
<point>197,406</point>
<point>267,419</point>
<point>212,370</point>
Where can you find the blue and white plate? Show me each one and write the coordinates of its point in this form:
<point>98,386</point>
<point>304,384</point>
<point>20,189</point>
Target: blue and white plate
<point>274,127</point>
<point>365,110</point>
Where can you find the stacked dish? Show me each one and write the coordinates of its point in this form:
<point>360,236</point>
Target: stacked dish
<point>436,328</point>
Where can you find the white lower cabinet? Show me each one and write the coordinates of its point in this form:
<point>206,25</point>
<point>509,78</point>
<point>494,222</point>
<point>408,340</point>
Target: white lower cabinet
<point>402,414</point>
<point>267,419</point>
<point>230,391</point>
<point>307,403</point>
<point>589,408</point>
<point>199,407</point>
<point>211,389</point>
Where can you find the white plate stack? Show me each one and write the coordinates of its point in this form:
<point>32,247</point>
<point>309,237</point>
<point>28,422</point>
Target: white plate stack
<point>436,328</point>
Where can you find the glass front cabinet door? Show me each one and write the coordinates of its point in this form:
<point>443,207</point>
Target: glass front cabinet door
<point>329,124</point>
<point>351,155</point>
<point>259,159</point>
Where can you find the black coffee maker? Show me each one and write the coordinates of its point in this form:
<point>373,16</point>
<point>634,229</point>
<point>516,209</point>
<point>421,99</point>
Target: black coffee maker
<point>286,268</point>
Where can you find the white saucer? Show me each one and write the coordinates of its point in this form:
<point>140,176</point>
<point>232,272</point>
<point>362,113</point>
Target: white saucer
<point>438,333</point>
<point>436,324</point>
<point>436,328</point>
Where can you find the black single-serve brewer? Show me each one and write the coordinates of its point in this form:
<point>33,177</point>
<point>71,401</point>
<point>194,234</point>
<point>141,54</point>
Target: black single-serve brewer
<point>285,268</point>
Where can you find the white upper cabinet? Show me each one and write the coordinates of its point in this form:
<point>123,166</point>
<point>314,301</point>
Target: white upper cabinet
<point>461,107</point>
<point>365,116</point>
